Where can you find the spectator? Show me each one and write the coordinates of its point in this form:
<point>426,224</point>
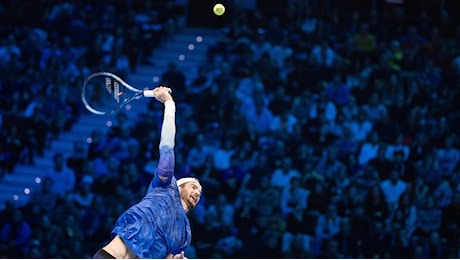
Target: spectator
<point>393,188</point>
<point>323,55</point>
<point>375,108</point>
<point>381,163</point>
<point>429,218</point>
<point>418,190</point>
<point>369,149</point>
<point>44,196</point>
<point>378,238</point>
<point>173,76</point>
<point>350,243</point>
<point>338,91</point>
<point>76,161</point>
<point>447,157</point>
<point>365,42</point>
<point>444,193</point>
<point>434,246</point>
<point>259,116</point>
<point>63,178</point>
<point>16,235</point>
<point>375,205</point>
<point>360,126</point>
<point>409,212</point>
<point>294,196</point>
<point>282,175</point>
<point>223,155</point>
<point>298,230</point>
<point>83,195</point>
<point>327,226</point>
<point>430,170</point>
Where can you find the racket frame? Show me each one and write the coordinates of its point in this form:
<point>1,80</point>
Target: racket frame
<point>137,93</point>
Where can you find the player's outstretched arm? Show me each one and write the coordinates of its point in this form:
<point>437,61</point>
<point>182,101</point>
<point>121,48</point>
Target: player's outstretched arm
<point>168,133</point>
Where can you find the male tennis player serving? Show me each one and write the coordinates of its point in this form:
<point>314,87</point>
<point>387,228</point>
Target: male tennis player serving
<point>157,226</point>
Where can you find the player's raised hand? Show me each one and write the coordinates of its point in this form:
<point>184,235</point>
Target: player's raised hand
<point>162,94</point>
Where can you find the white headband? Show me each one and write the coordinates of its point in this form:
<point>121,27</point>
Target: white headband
<point>188,179</point>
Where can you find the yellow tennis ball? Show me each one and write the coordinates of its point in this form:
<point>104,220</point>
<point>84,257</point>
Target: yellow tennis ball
<point>219,9</point>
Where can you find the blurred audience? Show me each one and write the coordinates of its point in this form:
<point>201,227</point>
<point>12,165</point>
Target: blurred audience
<point>331,136</point>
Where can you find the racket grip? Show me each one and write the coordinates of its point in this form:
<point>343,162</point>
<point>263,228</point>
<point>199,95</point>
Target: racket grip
<point>148,93</point>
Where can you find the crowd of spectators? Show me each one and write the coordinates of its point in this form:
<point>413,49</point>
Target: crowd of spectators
<point>315,134</point>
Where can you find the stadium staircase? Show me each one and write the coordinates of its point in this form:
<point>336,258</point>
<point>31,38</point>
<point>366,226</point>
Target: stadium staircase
<point>19,185</point>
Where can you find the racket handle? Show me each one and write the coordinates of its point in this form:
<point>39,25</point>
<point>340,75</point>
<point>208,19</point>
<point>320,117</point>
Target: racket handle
<point>148,93</point>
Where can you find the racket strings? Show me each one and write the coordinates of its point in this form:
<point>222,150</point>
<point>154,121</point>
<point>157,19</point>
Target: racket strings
<point>113,87</point>
<point>105,93</point>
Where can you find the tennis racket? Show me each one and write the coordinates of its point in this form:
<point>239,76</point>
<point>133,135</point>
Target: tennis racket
<point>105,93</point>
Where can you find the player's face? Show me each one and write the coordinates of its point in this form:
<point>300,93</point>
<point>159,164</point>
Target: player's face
<point>190,193</point>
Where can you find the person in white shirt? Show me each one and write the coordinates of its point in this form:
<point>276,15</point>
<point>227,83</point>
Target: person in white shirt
<point>393,188</point>
<point>360,126</point>
<point>369,150</point>
<point>281,177</point>
<point>323,55</point>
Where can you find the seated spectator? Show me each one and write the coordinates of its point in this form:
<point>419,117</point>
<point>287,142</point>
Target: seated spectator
<point>447,156</point>
<point>346,145</point>
<point>376,245</point>
<point>223,154</point>
<point>393,188</point>
<point>418,190</point>
<point>381,163</point>
<point>419,147</point>
<point>369,149</point>
<point>329,165</point>
<point>283,123</point>
<point>375,205</point>
<point>264,244</point>
<point>365,42</point>
<point>207,235</point>
<point>394,56</point>
<point>200,152</point>
<point>327,226</point>
<point>293,197</point>
<point>406,168</point>
<point>397,148</point>
<point>450,224</point>
<point>360,126</point>
<point>341,183</point>
<point>319,198</point>
<point>387,129</point>
<point>444,192</point>
<point>282,175</point>
<point>298,230</point>
<point>258,116</point>
<point>338,91</point>
<point>434,246</point>
<point>429,169</point>
<point>15,235</point>
<point>63,178</point>
<point>375,108</point>
<point>83,196</point>
<point>349,242</point>
<point>44,196</point>
<point>409,211</point>
<point>76,161</point>
<point>323,55</point>
<point>429,218</point>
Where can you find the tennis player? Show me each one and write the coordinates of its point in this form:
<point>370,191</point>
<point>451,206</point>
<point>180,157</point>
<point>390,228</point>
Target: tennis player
<point>157,226</point>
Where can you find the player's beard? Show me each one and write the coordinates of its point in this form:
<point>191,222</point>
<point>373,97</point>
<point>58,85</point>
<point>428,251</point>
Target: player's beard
<point>187,198</point>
